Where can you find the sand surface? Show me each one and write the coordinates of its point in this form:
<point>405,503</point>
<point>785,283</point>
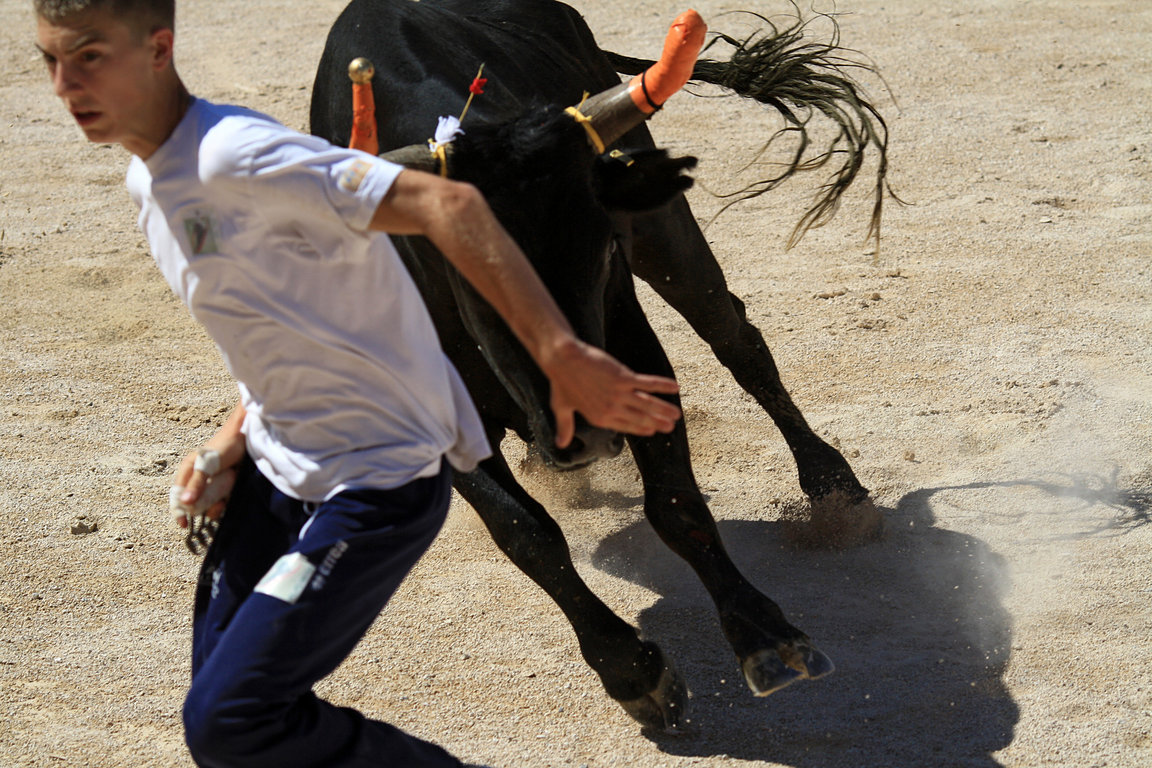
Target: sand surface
<point>988,372</point>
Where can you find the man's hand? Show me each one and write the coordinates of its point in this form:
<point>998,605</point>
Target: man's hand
<point>607,393</point>
<point>205,492</point>
<point>204,477</point>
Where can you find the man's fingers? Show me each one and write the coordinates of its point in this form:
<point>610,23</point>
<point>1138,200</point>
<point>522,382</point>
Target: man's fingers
<point>176,506</point>
<point>216,511</point>
<point>565,426</point>
<point>658,408</point>
<point>201,497</point>
<point>648,414</point>
<point>635,412</point>
<point>194,488</point>
<point>207,461</point>
<point>643,413</point>
<point>639,413</point>
<point>611,396</point>
<point>205,465</point>
<point>217,492</point>
<point>656,384</point>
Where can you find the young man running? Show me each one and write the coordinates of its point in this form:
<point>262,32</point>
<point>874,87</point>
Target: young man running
<point>350,416</point>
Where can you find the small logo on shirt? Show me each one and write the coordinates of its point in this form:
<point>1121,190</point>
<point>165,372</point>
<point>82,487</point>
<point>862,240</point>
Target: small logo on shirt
<point>202,233</point>
<point>352,176</point>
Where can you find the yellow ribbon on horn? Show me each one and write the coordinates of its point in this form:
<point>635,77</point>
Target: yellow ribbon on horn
<point>586,121</point>
<point>440,151</point>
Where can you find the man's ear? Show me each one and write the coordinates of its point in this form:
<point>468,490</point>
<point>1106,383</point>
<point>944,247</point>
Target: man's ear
<point>162,41</point>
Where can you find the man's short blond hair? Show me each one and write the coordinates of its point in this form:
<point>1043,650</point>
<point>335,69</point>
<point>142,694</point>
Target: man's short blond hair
<point>144,15</point>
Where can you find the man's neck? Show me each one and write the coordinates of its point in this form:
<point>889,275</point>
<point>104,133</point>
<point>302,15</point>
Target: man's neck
<point>168,110</point>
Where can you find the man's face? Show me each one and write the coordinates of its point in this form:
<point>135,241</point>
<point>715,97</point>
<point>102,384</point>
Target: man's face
<point>103,70</point>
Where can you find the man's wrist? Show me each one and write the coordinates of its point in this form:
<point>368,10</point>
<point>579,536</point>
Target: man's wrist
<point>560,350</point>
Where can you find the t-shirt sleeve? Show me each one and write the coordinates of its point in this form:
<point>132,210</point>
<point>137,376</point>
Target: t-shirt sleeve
<point>290,173</point>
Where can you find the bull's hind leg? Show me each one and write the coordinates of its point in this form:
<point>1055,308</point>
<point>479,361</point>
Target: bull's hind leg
<point>670,253</point>
<point>772,652</point>
<point>635,673</point>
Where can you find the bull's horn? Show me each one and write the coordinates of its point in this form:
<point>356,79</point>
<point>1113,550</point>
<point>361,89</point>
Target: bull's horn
<point>418,157</point>
<point>612,113</point>
<point>363,137</point>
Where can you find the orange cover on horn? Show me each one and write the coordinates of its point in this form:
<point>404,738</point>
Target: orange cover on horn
<point>685,38</point>
<point>363,119</point>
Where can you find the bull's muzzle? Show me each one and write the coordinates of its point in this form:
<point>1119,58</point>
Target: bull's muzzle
<point>588,445</point>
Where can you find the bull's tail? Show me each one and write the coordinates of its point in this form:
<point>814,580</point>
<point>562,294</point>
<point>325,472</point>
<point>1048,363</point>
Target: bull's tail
<point>800,79</point>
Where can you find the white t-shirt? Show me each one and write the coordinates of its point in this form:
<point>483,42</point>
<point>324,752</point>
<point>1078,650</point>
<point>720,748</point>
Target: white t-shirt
<point>263,232</point>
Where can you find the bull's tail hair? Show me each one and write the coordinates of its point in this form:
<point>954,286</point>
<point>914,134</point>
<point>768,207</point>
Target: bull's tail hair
<point>800,79</point>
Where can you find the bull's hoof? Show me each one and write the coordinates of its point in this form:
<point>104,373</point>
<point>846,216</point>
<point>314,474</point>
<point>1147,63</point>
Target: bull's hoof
<point>664,707</point>
<point>769,670</point>
<point>835,521</point>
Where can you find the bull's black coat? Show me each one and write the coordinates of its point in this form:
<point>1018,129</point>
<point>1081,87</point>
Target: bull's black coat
<point>563,206</point>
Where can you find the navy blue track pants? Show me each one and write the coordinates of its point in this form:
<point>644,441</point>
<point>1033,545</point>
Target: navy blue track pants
<point>283,598</point>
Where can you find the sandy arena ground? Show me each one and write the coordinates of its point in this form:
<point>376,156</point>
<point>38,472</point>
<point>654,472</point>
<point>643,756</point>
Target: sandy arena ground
<point>987,372</point>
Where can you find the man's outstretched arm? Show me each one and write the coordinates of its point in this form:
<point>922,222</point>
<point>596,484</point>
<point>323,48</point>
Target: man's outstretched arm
<point>455,217</point>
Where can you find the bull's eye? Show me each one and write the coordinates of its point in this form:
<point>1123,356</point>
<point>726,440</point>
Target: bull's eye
<point>614,248</point>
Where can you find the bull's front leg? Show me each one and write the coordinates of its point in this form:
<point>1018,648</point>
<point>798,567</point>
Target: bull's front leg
<point>634,672</point>
<point>670,253</point>
<point>771,651</point>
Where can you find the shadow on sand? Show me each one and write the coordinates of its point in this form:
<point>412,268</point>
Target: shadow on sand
<point>915,624</point>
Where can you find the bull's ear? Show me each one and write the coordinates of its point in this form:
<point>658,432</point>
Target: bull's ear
<point>641,180</point>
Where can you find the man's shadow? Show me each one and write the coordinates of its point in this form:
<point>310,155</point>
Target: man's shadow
<point>915,624</point>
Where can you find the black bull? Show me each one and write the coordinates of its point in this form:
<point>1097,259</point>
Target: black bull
<point>581,220</point>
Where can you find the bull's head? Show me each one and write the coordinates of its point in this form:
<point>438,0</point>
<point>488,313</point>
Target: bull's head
<point>566,205</point>
<point>565,201</point>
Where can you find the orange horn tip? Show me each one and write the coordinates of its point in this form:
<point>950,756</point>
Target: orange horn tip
<point>685,38</point>
<point>361,71</point>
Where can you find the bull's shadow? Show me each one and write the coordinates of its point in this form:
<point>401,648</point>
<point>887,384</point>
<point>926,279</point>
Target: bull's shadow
<point>915,624</point>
